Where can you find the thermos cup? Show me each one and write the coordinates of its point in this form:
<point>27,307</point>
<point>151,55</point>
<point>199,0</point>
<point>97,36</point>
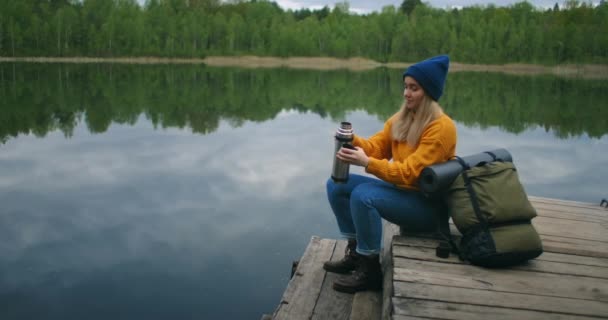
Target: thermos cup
<point>344,137</point>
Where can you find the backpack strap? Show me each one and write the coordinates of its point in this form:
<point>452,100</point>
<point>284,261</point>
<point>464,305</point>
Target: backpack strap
<point>446,243</point>
<point>472,194</point>
<point>493,155</point>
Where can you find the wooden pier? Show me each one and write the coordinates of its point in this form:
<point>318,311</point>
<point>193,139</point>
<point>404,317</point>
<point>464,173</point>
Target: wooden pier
<point>568,281</point>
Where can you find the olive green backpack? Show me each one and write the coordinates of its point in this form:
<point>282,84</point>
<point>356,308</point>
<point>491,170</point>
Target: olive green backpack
<point>489,206</point>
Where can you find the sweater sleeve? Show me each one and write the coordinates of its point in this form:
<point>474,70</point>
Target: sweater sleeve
<point>436,145</point>
<point>377,146</point>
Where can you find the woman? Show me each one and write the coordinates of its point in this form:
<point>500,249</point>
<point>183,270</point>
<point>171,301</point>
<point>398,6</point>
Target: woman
<point>417,136</point>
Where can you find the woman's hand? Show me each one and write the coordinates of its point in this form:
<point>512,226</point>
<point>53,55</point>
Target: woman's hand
<point>356,157</point>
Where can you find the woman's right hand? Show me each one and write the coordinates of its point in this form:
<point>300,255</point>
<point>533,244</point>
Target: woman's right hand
<point>353,156</point>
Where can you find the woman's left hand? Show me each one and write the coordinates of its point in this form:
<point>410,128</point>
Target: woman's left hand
<point>356,157</point>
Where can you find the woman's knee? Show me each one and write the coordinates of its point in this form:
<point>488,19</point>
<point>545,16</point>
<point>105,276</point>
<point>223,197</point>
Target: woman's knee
<point>362,195</point>
<point>355,182</point>
<point>330,186</point>
<point>334,190</point>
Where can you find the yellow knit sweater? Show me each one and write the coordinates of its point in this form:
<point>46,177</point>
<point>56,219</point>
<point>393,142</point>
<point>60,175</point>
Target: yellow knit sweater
<point>437,144</point>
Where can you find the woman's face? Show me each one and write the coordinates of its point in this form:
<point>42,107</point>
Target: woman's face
<point>412,92</point>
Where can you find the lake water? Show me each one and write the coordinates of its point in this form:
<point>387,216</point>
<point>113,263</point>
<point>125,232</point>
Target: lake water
<point>185,192</point>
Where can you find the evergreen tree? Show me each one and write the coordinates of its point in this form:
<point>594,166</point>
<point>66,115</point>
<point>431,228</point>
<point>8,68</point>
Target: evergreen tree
<point>574,33</point>
<point>408,6</point>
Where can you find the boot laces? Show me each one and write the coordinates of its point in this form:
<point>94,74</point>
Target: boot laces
<point>362,270</point>
<point>359,274</point>
<point>350,252</point>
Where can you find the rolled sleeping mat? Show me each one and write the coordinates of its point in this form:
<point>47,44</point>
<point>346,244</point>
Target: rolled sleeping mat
<point>440,176</point>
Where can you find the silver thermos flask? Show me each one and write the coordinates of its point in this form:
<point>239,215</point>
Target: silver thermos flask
<point>344,137</point>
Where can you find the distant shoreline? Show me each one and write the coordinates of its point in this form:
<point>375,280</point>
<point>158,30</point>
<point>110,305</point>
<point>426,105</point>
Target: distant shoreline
<point>585,71</point>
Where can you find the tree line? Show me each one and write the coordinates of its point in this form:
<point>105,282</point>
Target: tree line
<point>39,98</point>
<point>572,33</point>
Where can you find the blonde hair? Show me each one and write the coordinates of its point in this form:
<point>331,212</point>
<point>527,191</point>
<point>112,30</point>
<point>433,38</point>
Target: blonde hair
<point>409,124</point>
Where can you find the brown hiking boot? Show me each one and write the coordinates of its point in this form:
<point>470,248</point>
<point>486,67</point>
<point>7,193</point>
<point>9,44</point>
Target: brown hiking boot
<point>368,276</point>
<point>348,263</point>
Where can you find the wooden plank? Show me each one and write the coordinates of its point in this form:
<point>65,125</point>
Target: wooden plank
<point>503,280</point>
<point>564,269</point>
<point>569,281</point>
<point>551,243</point>
<point>543,209</point>
<point>554,241</point>
<point>402,317</point>
<point>558,243</point>
<point>500,299</point>
<point>574,212</point>
<point>301,294</point>
<point>367,305</point>
<point>536,265</point>
<point>332,304</point>
<point>567,203</point>
<point>558,214</point>
<point>571,229</point>
<point>577,260</point>
<point>390,231</point>
<point>422,253</point>
<point>456,311</point>
<point>573,246</point>
<point>387,289</point>
<point>594,210</point>
<point>417,242</point>
<point>546,256</point>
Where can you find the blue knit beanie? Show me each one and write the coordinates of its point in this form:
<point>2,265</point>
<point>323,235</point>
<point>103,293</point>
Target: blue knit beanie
<point>430,74</point>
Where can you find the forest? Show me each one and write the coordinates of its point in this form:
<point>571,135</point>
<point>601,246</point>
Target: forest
<point>569,32</point>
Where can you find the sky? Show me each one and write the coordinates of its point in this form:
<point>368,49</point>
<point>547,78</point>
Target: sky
<point>366,6</point>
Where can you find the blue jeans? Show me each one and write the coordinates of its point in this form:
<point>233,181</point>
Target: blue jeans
<point>360,204</point>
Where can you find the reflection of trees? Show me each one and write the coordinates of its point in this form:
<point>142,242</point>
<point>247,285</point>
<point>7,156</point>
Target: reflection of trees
<point>569,107</point>
<point>42,98</point>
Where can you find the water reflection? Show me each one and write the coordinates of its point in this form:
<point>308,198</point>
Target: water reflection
<point>42,98</point>
<point>156,223</point>
<point>149,220</point>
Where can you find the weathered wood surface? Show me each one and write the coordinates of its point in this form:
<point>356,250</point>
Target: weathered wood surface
<point>332,304</point>
<point>568,281</point>
<point>309,294</point>
<point>367,306</point>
